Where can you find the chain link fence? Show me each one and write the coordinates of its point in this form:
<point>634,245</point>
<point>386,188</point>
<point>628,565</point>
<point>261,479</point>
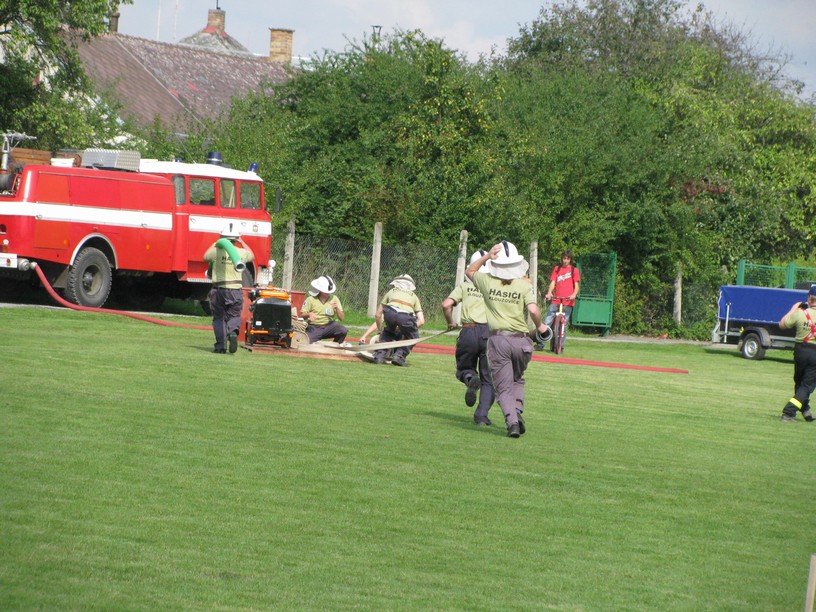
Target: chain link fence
<point>434,269</point>
<point>349,264</point>
<point>699,304</point>
<point>790,276</point>
<point>763,276</point>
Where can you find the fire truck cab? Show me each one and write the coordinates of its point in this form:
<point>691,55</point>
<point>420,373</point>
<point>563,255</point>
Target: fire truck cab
<point>114,223</point>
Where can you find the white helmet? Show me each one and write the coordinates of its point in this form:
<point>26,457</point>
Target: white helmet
<point>478,255</point>
<point>229,232</point>
<point>508,263</point>
<point>322,284</point>
<point>404,281</point>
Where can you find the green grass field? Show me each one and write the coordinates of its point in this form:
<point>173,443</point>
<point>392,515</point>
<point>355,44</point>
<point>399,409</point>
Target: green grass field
<point>141,471</point>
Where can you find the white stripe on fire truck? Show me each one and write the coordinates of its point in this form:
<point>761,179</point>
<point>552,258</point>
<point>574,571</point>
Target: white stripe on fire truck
<point>129,218</point>
<point>89,214</point>
<point>245,227</point>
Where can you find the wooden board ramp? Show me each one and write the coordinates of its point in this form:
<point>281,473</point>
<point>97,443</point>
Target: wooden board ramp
<point>333,350</point>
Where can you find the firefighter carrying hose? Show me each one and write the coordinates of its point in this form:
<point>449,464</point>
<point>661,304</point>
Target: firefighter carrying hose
<point>228,261</point>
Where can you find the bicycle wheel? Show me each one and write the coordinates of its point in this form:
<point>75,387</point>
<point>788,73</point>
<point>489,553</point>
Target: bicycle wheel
<point>559,336</point>
<point>556,343</point>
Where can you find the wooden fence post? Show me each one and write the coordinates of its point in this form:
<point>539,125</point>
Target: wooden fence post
<point>678,294</point>
<point>289,256</point>
<point>374,280</point>
<point>534,267</point>
<point>461,266</point>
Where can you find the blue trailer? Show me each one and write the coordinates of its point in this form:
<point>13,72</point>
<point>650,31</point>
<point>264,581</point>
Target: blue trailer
<point>749,318</point>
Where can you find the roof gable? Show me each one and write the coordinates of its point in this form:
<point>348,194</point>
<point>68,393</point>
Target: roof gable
<point>179,84</point>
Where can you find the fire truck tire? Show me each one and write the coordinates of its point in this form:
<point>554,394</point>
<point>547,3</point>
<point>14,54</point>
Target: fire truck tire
<point>89,279</point>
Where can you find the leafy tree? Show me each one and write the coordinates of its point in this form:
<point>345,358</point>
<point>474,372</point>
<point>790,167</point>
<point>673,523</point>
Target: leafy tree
<point>633,126</point>
<point>47,93</point>
<point>387,131</point>
<point>720,162</point>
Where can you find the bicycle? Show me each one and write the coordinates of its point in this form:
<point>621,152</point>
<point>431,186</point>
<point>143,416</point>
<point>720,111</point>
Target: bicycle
<point>559,328</point>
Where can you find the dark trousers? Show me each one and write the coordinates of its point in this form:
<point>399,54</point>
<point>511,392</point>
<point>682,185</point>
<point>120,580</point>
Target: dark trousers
<point>226,306</point>
<point>804,374</point>
<point>398,326</point>
<point>332,330</point>
<point>471,360</point>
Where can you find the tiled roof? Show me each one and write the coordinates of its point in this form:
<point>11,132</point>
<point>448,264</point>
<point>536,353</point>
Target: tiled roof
<point>215,40</point>
<point>178,83</point>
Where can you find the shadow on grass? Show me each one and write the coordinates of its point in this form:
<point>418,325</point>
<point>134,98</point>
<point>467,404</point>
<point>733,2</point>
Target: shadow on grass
<point>779,356</point>
<point>465,421</point>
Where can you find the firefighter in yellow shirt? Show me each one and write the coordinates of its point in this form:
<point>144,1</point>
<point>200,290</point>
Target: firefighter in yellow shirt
<point>322,309</point>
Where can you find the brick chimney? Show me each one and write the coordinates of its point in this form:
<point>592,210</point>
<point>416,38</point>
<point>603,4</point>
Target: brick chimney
<point>113,23</point>
<point>280,45</point>
<point>216,19</point>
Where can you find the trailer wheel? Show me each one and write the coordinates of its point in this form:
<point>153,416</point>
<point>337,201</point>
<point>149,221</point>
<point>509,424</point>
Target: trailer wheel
<point>752,346</point>
<point>89,279</point>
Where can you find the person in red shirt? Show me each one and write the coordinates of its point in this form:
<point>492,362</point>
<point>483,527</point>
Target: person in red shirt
<point>565,281</point>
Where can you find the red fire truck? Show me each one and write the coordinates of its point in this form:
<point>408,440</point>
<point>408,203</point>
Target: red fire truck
<point>136,228</point>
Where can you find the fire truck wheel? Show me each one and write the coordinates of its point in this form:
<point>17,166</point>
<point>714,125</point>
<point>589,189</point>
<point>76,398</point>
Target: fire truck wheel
<point>89,279</point>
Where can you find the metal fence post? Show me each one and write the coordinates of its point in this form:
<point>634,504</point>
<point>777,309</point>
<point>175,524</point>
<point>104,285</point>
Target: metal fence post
<point>374,279</point>
<point>790,275</point>
<point>741,272</point>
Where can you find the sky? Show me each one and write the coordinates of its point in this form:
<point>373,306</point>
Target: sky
<point>472,27</point>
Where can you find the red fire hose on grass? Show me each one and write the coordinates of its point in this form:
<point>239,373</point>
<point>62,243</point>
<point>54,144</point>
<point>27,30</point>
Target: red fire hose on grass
<point>420,348</point>
<point>63,302</point>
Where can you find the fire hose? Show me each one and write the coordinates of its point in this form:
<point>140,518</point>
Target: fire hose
<point>232,252</point>
<point>63,302</point>
<point>226,245</point>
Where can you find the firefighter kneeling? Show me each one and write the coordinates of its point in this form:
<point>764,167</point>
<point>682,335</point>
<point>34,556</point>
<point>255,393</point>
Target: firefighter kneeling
<point>321,309</point>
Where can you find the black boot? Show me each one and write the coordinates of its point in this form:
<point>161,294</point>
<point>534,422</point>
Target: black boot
<point>473,384</point>
<point>788,413</point>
